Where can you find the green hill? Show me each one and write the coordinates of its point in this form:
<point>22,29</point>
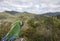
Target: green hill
<point>36,27</point>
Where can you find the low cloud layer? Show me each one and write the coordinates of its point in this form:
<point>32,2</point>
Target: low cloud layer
<point>33,6</point>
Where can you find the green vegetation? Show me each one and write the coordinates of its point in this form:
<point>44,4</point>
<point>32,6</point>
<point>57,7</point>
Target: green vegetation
<point>36,27</point>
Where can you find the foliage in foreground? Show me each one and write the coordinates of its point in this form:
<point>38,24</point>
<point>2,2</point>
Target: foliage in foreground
<point>44,29</point>
<point>40,28</point>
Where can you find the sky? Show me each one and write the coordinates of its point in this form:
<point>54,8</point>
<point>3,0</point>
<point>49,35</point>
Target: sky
<point>32,6</point>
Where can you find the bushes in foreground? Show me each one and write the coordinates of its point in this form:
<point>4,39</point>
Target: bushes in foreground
<point>46,29</point>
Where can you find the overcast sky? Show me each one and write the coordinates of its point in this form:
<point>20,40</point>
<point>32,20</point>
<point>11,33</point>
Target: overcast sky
<point>33,6</point>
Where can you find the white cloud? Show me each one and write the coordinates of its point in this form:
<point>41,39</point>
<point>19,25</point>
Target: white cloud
<point>17,5</point>
<point>35,6</point>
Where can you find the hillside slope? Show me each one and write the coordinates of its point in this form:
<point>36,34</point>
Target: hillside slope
<point>44,27</point>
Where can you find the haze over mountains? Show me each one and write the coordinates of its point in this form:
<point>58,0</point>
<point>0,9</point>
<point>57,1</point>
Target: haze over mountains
<point>48,13</point>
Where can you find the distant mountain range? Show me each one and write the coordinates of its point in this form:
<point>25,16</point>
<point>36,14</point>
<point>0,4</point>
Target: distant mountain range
<point>11,12</point>
<point>49,13</point>
<point>52,13</point>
